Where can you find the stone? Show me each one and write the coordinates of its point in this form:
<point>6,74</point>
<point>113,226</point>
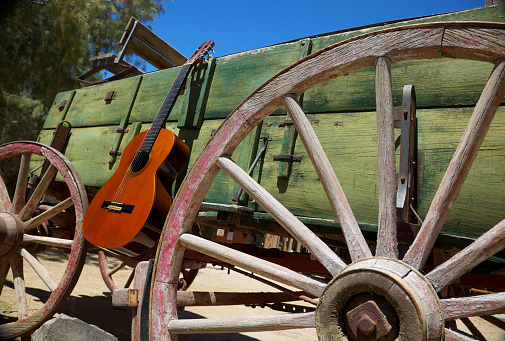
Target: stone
<point>66,328</point>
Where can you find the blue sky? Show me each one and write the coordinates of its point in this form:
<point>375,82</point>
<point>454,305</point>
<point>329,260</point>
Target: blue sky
<point>236,25</point>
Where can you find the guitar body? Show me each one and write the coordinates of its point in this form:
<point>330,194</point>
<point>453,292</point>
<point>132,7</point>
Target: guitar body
<point>128,212</point>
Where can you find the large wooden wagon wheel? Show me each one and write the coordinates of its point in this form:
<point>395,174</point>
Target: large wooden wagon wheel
<point>376,297</point>
<point>30,223</point>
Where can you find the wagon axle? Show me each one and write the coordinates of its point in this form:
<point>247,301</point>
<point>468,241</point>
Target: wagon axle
<point>11,233</point>
<point>379,299</point>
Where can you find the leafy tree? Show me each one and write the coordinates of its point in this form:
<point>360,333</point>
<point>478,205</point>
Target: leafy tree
<point>44,46</point>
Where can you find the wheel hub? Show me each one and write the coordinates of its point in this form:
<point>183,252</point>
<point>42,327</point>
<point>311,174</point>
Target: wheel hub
<point>379,299</point>
<point>11,233</point>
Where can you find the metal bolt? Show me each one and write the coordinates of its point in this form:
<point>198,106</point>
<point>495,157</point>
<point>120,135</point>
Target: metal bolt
<point>366,326</point>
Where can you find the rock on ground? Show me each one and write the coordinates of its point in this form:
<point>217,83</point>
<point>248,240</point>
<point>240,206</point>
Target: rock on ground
<point>70,328</point>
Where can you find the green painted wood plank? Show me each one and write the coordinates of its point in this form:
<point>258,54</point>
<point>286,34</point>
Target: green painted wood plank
<point>55,113</point>
<point>237,75</point>
<point>89,107</point>
<point>350,139</point>
<point>152,93</point>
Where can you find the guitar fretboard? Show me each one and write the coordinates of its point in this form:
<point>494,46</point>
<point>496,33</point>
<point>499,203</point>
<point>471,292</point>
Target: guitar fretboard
<point>166,108</point>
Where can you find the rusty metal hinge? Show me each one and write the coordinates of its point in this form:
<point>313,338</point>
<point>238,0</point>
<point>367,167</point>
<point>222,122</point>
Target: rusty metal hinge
<point>110,95</point>
<point>62,104</point>
<point>288,157</point>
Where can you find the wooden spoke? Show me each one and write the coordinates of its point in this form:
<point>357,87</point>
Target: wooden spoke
<point>5,201</point>
<point>16,262</point>
<point>50,241</point>
<point>116,269</point>
<point>458,168</point>
<point>212,298</point>
<point>243,324</point>
<point>358,248</point>
<point>283,216</point>
<point>39,269</point>
<point>261,267</point>
<point>18,201</point>
<point>46,215</point>
<point>451,335</point>
<point>483,247</point>
<point>4,270</point>
<point>460,307</point>
<point>27,211</point>
<point>387,245</point>
<point>471,327</point>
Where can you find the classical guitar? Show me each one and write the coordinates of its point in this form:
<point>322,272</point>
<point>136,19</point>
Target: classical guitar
<point>128,212</point>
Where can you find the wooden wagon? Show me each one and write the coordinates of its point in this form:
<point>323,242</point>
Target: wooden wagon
<point>350,148</point>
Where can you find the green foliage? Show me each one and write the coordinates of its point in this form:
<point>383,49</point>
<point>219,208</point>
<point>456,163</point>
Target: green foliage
<point>46,44</point>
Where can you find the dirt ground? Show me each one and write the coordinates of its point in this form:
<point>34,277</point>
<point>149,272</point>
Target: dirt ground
<point>91,302</point>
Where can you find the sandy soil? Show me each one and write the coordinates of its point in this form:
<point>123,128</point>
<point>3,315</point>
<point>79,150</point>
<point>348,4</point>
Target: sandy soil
<point>91,302</point>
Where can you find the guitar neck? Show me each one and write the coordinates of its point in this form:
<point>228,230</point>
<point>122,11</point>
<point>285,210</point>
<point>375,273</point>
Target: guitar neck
<point>166,108</point>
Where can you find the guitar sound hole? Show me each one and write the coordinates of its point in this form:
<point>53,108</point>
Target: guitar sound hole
<point>139,161</point>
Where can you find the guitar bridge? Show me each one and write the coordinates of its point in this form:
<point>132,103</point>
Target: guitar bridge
<point>117,207</point>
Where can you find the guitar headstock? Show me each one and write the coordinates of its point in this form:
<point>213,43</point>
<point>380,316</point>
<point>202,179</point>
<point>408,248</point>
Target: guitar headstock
<point>201,52</point>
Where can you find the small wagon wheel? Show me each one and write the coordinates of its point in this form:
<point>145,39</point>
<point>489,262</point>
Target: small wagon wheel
<point>25,230</point>
<point>378,296</point>
<point>108,269</point>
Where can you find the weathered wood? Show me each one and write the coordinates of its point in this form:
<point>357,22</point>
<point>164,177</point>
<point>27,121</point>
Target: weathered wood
<point>196,298</point>
<point>242,324</point>
<point>482,248</point>
<point>458,168</point>
<point>48,214</point>
<point>4,270</point>
<point>125,297</point>
<point>253,264</point>
<point>451,335</point>
<point>18,200</point>
<point>136,29</point>
<point>494,2</point>
<point>16,262</point>
<point>44,275</point>
<point>30,207</point>
<point>358,247</point>
<point>76,254</point>
<point>387,245</point>
<point>49,241</point>
<point>398,44</point>
<point>139,285</point>
<point>478,305</point>
<point>283,216</point>
<point>5,201</point>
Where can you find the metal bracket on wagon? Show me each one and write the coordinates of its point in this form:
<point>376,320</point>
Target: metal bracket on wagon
<point>406,178</point>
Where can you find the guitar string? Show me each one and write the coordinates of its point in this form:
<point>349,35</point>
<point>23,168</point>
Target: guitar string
<point>125,185</point>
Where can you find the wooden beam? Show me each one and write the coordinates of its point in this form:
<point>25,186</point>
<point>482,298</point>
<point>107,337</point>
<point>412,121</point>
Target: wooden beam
<point>258,266</point>
<point>460,307</point>
<point>458,168</point>
<point>387,245</point>
<point>39,269</point>
<point>18,201</point>
<point>243,324</point>
<point>48,214</point>
<point>356,243</point>
<point>283,216</point>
